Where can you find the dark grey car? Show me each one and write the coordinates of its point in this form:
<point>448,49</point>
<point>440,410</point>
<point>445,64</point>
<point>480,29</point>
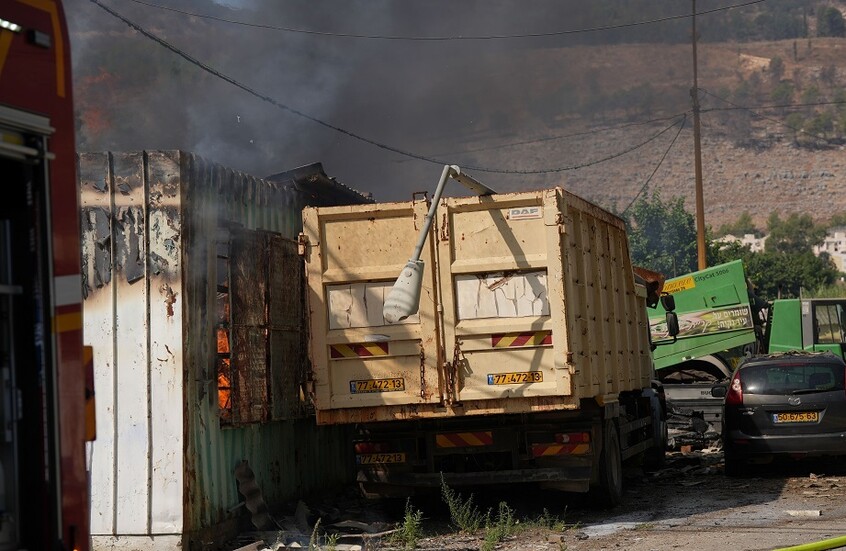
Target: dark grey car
<point>791,404</point>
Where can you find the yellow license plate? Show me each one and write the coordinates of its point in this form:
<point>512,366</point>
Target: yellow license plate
<point>379,458</point>
<point>797,417</point>
<point>377,385</point>
<point>515,378</point>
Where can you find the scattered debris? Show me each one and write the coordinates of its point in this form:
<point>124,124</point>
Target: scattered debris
<point>805,513</point>
<point>255,546</point>
<point>249,488</point>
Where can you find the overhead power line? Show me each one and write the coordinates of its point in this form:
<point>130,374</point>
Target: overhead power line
<point>755,112</point>
<point>591,132</point>
<point>445,38</point>
<point>386,147</point>
<point>583,165</point>
<point>660,162</point>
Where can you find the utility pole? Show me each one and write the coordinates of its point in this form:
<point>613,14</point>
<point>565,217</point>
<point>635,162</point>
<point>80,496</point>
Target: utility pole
<point>700,207</point>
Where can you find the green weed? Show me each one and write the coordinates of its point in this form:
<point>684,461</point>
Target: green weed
<point>464,514</point>
<point>505,525</point>
<point>410,530</point>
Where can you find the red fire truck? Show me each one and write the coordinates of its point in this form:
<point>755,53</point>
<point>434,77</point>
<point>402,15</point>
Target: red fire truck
<point>46,394</point>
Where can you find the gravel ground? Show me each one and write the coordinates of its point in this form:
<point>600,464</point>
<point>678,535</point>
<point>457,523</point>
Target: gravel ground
<point>690,504</point>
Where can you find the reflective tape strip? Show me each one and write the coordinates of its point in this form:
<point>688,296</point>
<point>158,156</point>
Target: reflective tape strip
<point>528,338</point>
<point>68,290</point>
<point>90,406</point>
<point>358,350</point>
<point>67,322</point>
<point>464,439</point>
<point>541,450</point>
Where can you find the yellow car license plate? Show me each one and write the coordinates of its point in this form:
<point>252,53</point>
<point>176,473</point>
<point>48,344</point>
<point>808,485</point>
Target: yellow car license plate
<point>379,458</point>
<point>796,417</point>
<point>515,378</point>
<point>377,385</point>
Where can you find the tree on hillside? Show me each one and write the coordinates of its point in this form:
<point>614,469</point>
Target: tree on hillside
<point>662,235</point>
<point>821,125</point>
<point>782,93</point>
<point>741,226</point>
<point>778,275</point>
<point>776,68</point>
<point>830,22</point>
<point>795,122</point>
<point>798,234</point>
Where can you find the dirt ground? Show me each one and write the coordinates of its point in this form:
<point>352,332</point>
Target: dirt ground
<point>690,504</point>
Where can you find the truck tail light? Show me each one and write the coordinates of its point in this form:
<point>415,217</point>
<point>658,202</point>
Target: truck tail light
<point>572,438</point>
<point>371,447</point>
<point>735,391</point>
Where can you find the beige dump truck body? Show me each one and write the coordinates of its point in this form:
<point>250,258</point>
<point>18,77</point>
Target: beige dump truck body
<point>528,360</point>
<point>529,304</point>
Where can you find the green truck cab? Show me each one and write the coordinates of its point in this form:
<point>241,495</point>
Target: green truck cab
<point>722,321</point>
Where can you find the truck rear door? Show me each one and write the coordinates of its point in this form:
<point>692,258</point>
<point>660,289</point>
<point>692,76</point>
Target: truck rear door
<point>501,280</point>
<point>354,255</point>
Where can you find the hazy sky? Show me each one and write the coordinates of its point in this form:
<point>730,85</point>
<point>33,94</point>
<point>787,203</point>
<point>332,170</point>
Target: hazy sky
<point>381,114</point>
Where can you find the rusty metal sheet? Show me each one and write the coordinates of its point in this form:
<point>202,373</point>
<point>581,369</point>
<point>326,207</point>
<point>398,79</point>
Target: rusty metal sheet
<point>288,358</point>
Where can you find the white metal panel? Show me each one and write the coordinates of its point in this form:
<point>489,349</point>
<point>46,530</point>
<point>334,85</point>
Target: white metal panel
<point>500,295</point>
<point>165,323</point>
<point>98,328</point>
<point>359,305</point>
<point>132,385</point>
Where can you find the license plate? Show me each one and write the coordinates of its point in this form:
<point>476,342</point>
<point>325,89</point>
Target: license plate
<point>796,417</point>
<point>377,385</point>
<point>515,378</point>
<point>379,458</point>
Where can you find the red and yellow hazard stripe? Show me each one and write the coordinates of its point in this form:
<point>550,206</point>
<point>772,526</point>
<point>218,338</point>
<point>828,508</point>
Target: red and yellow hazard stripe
<point>358,350</point>
<point>545,450</point>
<point>525,338</point>
<point>464,439</point>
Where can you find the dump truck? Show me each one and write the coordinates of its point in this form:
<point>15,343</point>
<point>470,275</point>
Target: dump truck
<point>524,355</point>
<point>722,321</point>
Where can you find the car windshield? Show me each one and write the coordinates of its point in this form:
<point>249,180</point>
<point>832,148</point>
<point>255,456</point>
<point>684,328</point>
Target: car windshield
<point>796,378</point>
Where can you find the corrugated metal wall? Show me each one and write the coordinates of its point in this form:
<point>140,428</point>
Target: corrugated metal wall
<point>162,465</point>
<point>289,458</point>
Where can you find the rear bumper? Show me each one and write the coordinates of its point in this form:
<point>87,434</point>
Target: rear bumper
<point>578,475</point>
<point>806,444</point>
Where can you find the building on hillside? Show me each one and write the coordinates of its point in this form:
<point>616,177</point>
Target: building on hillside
<point>194,306</point>
<point>835,245</point>
<point>755,244</point>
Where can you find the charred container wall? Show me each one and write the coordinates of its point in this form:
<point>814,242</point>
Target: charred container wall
<point>193,305</point>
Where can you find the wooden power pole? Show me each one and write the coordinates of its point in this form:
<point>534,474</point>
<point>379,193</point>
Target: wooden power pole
<point>700,207</point>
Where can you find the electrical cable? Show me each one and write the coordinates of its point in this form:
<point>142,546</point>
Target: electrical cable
<point>660,162</point>
<point>561,136</point>
<point>776,121</point>
<point>447,38</point>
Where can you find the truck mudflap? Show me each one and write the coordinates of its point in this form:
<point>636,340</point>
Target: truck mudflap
<point>575,477</point>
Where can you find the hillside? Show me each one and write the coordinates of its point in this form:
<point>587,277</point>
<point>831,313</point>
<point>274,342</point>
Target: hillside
<point>599,119</point>
<point>750,163</point>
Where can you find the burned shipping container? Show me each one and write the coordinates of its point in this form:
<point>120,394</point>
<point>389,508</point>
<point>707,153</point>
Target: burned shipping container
<point>194,308</point>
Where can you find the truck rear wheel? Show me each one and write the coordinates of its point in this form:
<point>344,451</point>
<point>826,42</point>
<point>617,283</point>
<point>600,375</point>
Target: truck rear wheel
<point>609,492</point>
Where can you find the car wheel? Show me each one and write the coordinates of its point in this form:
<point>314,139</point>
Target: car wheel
<point>735,463</point>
